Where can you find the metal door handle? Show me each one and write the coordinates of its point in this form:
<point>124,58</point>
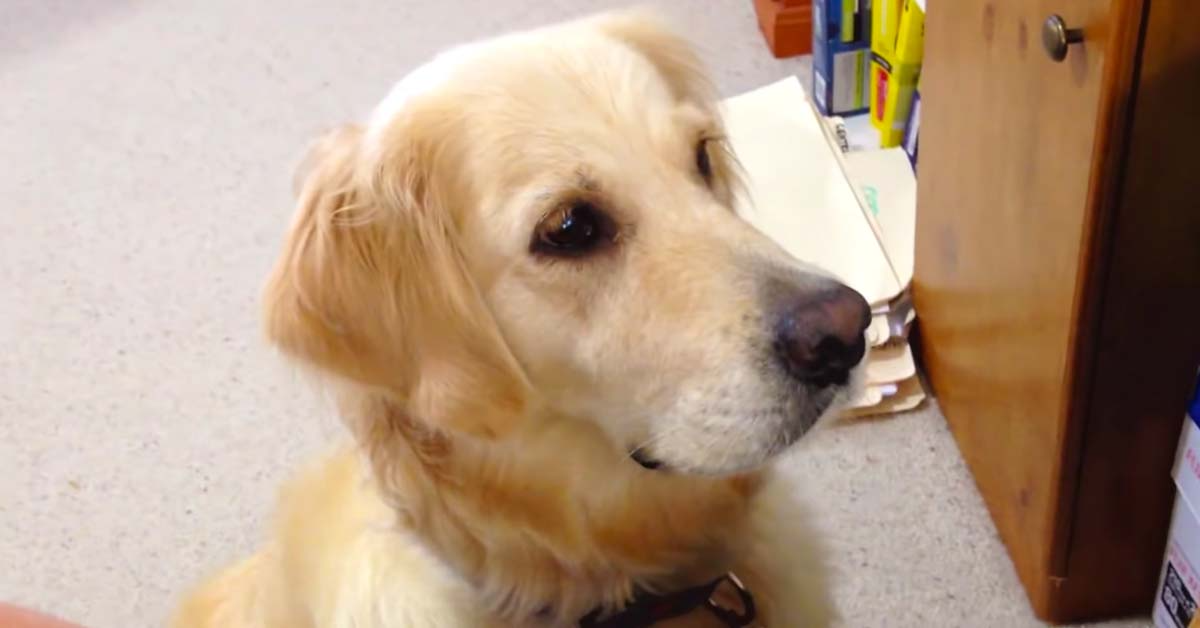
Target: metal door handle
<point>1056,37</point>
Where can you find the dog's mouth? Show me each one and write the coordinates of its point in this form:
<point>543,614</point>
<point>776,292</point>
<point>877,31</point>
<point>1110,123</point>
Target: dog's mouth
<point>801,420</point>
<point>644,460</point>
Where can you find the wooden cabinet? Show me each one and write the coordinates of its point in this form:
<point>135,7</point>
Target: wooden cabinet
<point>1058,278</point>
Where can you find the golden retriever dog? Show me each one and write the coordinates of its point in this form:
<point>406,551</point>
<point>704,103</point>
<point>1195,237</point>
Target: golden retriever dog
<point>565,360</point>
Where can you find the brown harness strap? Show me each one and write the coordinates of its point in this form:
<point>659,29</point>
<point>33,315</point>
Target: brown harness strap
<point>646,609</point>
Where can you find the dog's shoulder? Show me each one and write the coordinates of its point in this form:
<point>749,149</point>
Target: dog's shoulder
<point>337,558</point>
<point>344,555</point>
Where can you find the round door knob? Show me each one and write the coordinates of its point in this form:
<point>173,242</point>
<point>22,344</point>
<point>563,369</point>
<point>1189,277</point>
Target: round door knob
<point>1056,37</point>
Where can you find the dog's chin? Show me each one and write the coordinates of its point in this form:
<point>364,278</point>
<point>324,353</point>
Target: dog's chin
<point>666,465</point>
<point>724,470</point>
<point>792,426</point>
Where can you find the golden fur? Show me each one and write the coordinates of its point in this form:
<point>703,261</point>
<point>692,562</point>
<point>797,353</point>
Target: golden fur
<point>494,397</point>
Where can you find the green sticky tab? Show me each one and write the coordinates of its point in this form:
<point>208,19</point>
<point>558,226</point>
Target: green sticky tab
<point>872,196</point>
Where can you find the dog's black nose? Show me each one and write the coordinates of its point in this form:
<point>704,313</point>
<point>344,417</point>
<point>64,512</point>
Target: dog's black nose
<point>821,337</point>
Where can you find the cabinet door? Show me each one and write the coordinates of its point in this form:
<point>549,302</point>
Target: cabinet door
<point>1013,149</point>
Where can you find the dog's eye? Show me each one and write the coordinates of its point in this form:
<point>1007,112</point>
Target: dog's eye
<point>571,230</point>
<point>703,161</point>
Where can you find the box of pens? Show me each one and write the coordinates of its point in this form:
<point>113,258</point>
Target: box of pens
<point>841,56</point>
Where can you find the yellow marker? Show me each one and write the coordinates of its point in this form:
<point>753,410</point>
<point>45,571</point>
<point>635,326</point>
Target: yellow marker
<point>848,19</point>
<point>897,47</point>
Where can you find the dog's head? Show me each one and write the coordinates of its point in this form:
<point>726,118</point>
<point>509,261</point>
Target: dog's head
<point>547,221</point>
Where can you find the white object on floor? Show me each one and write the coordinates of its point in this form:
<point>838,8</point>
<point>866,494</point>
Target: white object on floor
<point>798,191</point>
<point>1175,602</point>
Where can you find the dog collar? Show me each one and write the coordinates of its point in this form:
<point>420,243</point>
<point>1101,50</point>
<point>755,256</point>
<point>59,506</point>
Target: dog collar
<point>646,609</point>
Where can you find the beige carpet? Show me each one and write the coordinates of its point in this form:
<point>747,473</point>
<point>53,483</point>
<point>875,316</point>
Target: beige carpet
<point>146,150</point>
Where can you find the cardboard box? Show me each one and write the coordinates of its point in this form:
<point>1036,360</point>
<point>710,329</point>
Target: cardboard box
<point>897,48</point>
<point>1179,581</point>
<point>841,56</point>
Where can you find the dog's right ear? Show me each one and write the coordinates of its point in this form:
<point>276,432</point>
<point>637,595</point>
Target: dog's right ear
<point>672,55</point>
<point>372,288</point>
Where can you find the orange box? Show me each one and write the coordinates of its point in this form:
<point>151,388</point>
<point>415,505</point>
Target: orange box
<point>786,25</point>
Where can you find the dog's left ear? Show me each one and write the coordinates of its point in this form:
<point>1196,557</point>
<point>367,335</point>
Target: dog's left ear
<point>671,54</point>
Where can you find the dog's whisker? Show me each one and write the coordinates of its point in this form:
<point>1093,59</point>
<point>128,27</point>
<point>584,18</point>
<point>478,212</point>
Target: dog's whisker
<point>655,439</point>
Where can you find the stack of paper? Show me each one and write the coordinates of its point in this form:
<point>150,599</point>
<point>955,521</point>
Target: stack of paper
<point>852,213</point>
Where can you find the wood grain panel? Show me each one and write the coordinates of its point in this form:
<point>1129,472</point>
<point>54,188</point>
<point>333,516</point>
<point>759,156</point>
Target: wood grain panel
<point>1123,31</point>
<point>1147,343</point>
<point>1003,212</point>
